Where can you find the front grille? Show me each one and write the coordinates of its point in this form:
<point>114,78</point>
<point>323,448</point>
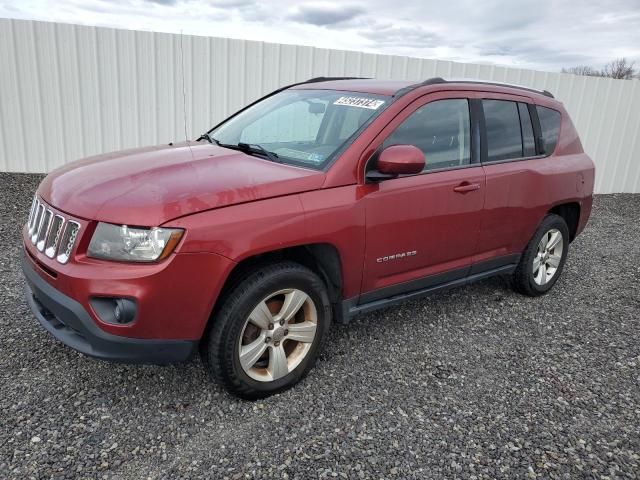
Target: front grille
<point>51,232</point>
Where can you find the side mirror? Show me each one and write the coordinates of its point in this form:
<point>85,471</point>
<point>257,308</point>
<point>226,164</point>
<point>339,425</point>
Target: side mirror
<point>397,160</point>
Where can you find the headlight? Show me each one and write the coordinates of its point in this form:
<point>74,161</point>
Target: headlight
<point>120,242</point>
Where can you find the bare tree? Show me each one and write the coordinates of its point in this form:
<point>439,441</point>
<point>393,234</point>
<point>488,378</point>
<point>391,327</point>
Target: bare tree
<point>619,68</point>
<point>582,70</point>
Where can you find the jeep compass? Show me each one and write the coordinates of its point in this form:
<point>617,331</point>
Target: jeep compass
<point>319,201</point>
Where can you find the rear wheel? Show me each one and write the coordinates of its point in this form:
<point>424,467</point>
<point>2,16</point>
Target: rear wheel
<point>543,260</point>
<point>267,334</point>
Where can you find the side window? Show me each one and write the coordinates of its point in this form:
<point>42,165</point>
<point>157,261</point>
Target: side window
<point>550,128</point>
<point>504,139</point>
<point>441,129</point>
<point>528,141</point>
<point>289,123</point>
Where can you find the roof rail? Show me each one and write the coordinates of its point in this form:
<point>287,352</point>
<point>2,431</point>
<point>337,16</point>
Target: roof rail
<point>429,81</point>
<point>433,81</point>
<point>546,93</point>
<point>328,79</point>
<point>438,80</point>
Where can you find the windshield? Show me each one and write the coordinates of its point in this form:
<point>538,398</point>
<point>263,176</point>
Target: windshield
<point>301,127</point>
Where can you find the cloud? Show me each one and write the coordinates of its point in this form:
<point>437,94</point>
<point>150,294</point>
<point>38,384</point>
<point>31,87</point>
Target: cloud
<point>539,34</point>
<point>230,3</point>
<point>390,35</point>
<point>518,56</point>
<point>324,14</point>
<point>210,3</point>
<point>498,51</point>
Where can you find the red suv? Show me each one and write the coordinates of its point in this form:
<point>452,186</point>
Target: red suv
<point>322,200</point>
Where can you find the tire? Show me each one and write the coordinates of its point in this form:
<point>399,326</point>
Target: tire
<point>259,321</point>
<point>532,281</point>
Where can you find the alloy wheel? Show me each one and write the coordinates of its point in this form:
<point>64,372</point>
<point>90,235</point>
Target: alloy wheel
<point>278,335</point>
<point>548,257</point>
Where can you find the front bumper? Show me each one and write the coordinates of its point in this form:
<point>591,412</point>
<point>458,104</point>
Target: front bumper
<point>69,322</point>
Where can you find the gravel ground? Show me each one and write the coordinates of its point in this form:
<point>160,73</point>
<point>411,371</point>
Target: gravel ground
<point>478,382</point>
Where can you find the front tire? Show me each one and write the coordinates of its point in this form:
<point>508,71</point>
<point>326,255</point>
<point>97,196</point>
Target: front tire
<point>543,260</point>
<point>267,333</point>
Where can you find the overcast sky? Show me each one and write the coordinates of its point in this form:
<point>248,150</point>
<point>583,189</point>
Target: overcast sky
<point>541,34</point>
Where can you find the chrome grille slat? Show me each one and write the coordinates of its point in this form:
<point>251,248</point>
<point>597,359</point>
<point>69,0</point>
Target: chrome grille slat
<point>52,233</point>
<point>53,237</point>
<point>68,241</point>
<point>38,224</point>
<point>31,212</point>
<point>34,216</point>
<point>44,229</point>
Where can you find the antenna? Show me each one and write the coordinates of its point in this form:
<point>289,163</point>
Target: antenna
<point>184,95</point>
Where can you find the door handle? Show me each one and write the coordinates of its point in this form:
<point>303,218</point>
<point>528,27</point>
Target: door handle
<point>466,187</point>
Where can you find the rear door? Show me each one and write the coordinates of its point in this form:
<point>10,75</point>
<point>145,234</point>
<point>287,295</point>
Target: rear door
<point>514,179</point>
<point>422,229</point>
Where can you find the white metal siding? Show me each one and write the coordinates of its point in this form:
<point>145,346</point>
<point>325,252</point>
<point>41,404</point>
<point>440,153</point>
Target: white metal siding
<point>69,91</point>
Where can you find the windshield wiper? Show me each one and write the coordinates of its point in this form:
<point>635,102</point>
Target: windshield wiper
<point>257,148</point>
<point>209,138</point>
<point>250,148</point>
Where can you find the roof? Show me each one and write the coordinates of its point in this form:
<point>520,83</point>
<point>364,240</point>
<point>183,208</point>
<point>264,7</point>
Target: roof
<point>363,85</point>
<point>399,87</point>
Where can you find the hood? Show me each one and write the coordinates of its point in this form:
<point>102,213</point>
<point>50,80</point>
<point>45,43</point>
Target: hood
<point>150,186</point>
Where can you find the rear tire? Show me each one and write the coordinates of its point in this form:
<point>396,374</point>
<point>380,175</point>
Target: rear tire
<point>543,260</point>
<point>266,335</point>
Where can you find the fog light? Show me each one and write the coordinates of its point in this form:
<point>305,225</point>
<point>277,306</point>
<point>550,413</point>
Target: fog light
<point>114,310</point>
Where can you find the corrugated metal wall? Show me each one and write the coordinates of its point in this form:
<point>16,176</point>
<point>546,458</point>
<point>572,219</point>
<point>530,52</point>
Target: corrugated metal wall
<point>70,91</point>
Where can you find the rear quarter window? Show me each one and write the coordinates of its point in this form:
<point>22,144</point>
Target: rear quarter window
<point>549,128</point>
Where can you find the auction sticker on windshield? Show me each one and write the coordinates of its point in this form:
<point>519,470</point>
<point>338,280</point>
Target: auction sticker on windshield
<point>360,102</point>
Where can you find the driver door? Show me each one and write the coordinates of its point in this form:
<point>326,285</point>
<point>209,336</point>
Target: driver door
<point>422,230</point>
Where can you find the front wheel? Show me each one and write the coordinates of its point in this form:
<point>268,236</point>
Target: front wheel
<point>544,258</point>
<point>267,333</point>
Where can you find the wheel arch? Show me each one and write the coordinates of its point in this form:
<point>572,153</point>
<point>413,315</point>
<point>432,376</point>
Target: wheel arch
<point>570,212</point>
<point>322,258</point>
